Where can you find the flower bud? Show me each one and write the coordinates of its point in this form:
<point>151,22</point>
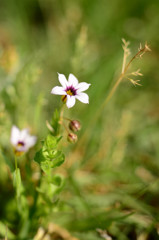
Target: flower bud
<point>72,138</point>
<point>75,125</point>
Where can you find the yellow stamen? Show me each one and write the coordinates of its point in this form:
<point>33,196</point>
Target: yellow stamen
<point>18,153</point>
<point>69,92</point>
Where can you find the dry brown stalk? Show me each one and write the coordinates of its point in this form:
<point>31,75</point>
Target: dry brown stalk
<point>125,67</point>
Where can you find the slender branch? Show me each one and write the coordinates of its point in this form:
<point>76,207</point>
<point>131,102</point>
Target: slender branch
<point>65,127</point>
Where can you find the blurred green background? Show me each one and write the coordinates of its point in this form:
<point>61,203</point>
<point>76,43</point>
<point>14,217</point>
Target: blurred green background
<point>114,171</point>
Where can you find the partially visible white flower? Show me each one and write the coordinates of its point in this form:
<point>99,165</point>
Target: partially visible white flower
<point>21,140</point>
<point>71,90</point>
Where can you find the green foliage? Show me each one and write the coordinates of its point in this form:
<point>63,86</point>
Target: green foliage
<point>17,183</point>
<point>22,205</point>
<point>6,232</point>
<point>50,188</point>
<point>51,184</point>
<point>49,157</point>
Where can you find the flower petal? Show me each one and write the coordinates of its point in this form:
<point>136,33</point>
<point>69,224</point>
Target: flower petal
<point>24,134</point>
<point>83,97</point>
<point>70,101</point>
<point>72,80</point>
<point>58,91</point>
<point>82,86</point>
<point>30,142</point>
<point>15,133</point>
<point>62,80</point>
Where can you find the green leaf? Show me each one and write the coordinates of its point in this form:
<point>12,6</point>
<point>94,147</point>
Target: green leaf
<point>17,183</point>
<point>52,163</point>
<point>51,187</point>
<point>57,180</point>
<point>50,143</point>
<point>49,157</point>
<point>39,157</point>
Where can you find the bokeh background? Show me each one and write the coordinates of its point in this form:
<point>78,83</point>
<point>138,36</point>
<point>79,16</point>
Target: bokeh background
<point>112,174</point>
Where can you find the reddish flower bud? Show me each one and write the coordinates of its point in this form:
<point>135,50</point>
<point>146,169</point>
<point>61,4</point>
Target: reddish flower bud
<point>75,125</point>
<point>72,138</point>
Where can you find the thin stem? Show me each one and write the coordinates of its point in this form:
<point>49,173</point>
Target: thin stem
<point>65,128</point>
<point>61,117</point>
<point>17,184</point>
<point>124,62</point>
<point>6,234</point>
<point>112,92</point>
<point>68,119</point>
<point>126,53</point>
<point>16,165</point>
<point>61,114</point>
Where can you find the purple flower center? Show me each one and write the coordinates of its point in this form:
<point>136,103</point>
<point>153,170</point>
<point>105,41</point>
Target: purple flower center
<point>19,149</point>
<point>20,144</point>
<point>70,91</point>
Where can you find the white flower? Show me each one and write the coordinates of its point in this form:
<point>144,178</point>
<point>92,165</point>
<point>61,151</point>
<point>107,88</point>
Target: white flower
<point>21,140</point>
<point>71,90</point>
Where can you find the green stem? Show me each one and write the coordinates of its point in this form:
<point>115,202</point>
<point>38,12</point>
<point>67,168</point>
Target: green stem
<point>61,117</point>
<point>17,184</point>
<point>26,227</point>
<point>16,165</point>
